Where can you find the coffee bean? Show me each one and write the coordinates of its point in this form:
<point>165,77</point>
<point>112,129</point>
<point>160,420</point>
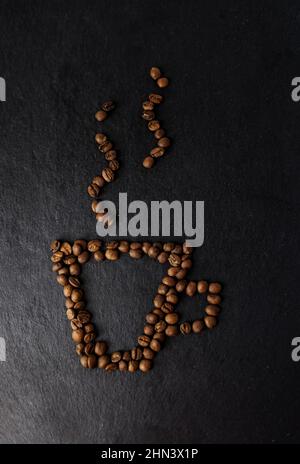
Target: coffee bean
<point>185,328</point>
<point>177,249</point>
<point>71,314</point>
<point>89,348</point>
<point>57,256</point>
<point>89,328</point>
<point>170,281</point>
<point>212,310</point>
<point>108,106</point>
<point>83,257</point>
<point>56,267</point>
<point>181,274</point>
<point>75,269</point>
<point>84,361</point>
<point>202,286</point>
<point>133,366</point>
<point>158,312</point>
<point>148,330</point>
<point>157,152</point>
<point>105,147</point>
<point>103,361</point>
<point>145,365</point>
<point>108,174</point>
<point>164,142</point>
<point>188,250</point>
<point>148,353</point>
<point>159,336</point>
<point>74,281</point>
<point>77,335</point>
<point>174,260</point>
<point>79,306</point>
<point>66,248</point>
<point>153,125</point>
<point>94,245</point>
<point>98,180</point>
<point>155,73</point>
<point>101,115</point>
<point>84,316</point>
<point>172,318</point>
<point>155,98</point>
<point>172,271</point>
<point>153,252</point>
<point>148,162</point>
<point>158,300</point>
<point>210,322</point>
<point>114,165</point>
<point>63,271</point>
<point>171,330</point>
<point>110,155</point>
<point>215,287</point>
<point>163,289</point>
<point>162,82</point>
<point>148,115</point>
<point>80,348</point>
<point>155,345</point>
<point>62,279</point>
<point>160,326</point>
<point>136,354</point>
<point>76,295</point>
<point>55,246</point>
<point>116,357</point>
<point>172,298</point>
<point>100,138</point>
<point>168,247</point>
<point>136,246</point>
<point>71,259</point>
<point>112,245</point>
<point>146,247</point>
<point>151,318</point>
<point>111,367</point>
<point>81,243</point>
<point>69,303</point>
<point>136,254</point>
<point>112,255</point>
<point>197,326</point>
<point>167,308</point>
<point>126,356</point>
<point>144,340</point>
<point>163,257</point>
<point>68,290</point>
<point>93,190</point>
<point>191,288</point>
<point>123,246</point>
<point>100,348</point>
<point>148,106</point>
<point>181,285</point>
<point>187,264</point>
<point>123,366</point>
<point>99,256</point>
<point>158,134</point>
<point>90,337</point>
<point>214,299</point>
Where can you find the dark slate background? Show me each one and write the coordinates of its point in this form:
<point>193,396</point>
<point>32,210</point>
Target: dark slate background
<point>235,131</point>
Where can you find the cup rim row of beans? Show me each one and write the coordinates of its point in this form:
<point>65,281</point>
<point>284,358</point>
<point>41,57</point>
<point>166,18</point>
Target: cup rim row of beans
<point>161,322</point>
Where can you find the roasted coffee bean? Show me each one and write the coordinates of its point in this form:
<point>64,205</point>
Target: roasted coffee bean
<point>77,335</point>
<point>79,306</point>
<point>146,247</point>
<point>105,147</point>
<point>123,366</point>
<point>186,264</point>
<point>89,337</point>
<point>168,247</point>
<point>144,340</point>
<point>68,290</point>
<point>177,249</point>
<point>214,299</point>
<point>210,322</point>
<point>145,365</point>
<point>114,165</point>
<point>152,318</point>
<point>136,245</point>
<point>155,345</point>
<point>94,245</point>
<point>187,249</point>
<point>148,353</point>
<point>181,274</point>
<point>62,279</point>
<point>153,125</point>
<point>57,256</point>
<point>172,298</point>
<point>162,82</point>
<point>136,254</point>
<point>63,271</point>
<point>157,152</point>
<point>108,106</point>
<point>108,174</point>
<point>123,246</point>
<point>100,348</point>
<point>181,285</point>
<point>155,98</point>
<point>148,330</point>
<point>112,245</point>
<point>111,367</point>
<point>148,162</point>
<point>133,366</point>
<point>191,288</point>
<point>112,255</point>
<point>153,252</point>
<point>56,267</point>
<point>148,106</point>
<point>148,115</point>
<point>215,287</point>
<point>158,312</point>
<point>160,326</point>
<point>116,357</point>
<point>160,336</point>
<point>171,330</point>
<point>69,303</point>
<point>167,308</point>
<point>74,281</point>
<point>185,328</point>
<point>172,318</point>
<point>202,286</point>
<point>66,248</point>
<point>172,271</point>
<point>99,256</point>
<point>174,260</point>
<point>81,243</point>
<point>212,310</point>
<point>89,328</point>
<point>71,314</point>
<point>163,289</point>
<point>84,316</point>
<point>84,361</point>
<point>98,180</point>
<point>136,354</point>
<point>55,246</point>
<point>101,115</point>
<point>92,361</point>
<point>164,142</point>
<point>71,259</point>
<point>158,300</point>
<point>197,326</point>
<point>84,257</point>
<point>170,281</point>
<point>158,134</point>
<point>80,348</point>
<point>155,73</point>
<point>110,155</point>
<point>126,356</point>
<point>103,361</point>
<point>89,348</point>
<point>163,257</point>
<point>77,295</point>
<point>100,138</point>
<point>93,190</point>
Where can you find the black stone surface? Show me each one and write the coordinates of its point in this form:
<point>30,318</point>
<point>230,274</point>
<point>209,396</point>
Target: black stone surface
<point>236,146</point>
